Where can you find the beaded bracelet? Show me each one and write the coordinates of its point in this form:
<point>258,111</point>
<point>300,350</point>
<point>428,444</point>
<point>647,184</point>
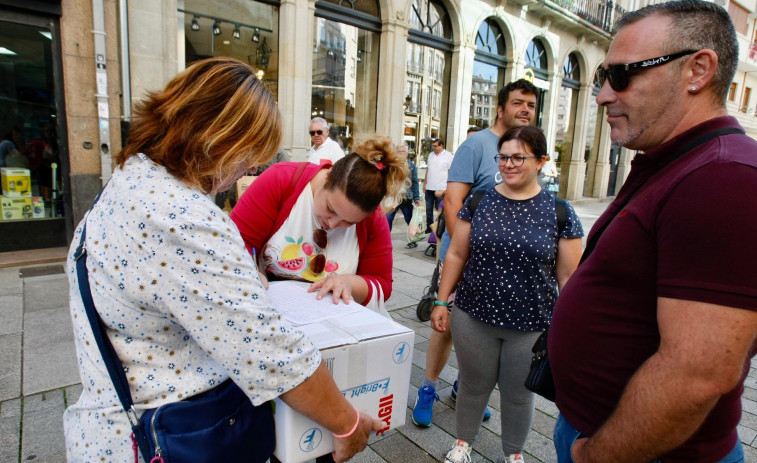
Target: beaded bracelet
<point>445,304</point>
<point>352,431</point>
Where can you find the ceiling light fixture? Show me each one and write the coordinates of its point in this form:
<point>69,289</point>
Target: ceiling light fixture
<point>237,33</point>
<point>195,24</point>
<point>5,51</point>
<point>256,35</point>
<point>216,28</point>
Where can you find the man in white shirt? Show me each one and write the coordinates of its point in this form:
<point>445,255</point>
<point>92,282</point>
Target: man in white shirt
<point>435,182</point>
<point>324,148</point>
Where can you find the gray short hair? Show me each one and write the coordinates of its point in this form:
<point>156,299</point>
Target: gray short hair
<point>696,25</point>
<point>320,121</point>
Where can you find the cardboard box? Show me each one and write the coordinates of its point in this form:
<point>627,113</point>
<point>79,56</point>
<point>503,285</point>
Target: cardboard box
<point>15,208</point>
<point>370,358</point>
<point>38,207</point>
<point>16,182</point>
<point>243,183</point>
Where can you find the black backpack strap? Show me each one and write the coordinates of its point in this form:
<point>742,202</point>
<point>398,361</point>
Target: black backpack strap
<point>561,210</point>
<point>474,200</point>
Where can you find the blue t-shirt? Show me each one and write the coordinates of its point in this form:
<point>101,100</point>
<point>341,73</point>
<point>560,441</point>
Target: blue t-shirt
<point>474,161</point>
<point>474,164</point>
<point>509,280</point>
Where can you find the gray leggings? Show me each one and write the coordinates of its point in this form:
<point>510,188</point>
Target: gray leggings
<point>488,355</point>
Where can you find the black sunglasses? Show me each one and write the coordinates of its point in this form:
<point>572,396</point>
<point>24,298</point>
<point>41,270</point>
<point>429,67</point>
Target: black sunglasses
<point>617,74</point>
<point>321,240</point>
<point>313,132</point>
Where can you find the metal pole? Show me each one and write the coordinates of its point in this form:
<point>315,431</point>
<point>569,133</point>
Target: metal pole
<point>125,70</point>
<point>101,78</point>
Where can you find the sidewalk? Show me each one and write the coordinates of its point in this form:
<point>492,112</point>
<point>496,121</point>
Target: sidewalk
<point>39,377</point>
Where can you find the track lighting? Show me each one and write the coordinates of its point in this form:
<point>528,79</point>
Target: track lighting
<point>256,35</point>
<point>195,24</point>
<point>216,28</point>
<point>237,33</point>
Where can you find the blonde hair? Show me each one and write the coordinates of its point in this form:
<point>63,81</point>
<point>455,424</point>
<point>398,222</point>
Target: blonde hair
<point>208,121</point>
<point>368,174</point>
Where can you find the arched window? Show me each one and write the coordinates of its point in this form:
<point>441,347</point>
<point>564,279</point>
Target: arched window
<point>429,55</point>
<point>345,67</point>
<point>488,73</point>
<point>430,17</point>
<point>536,59</point>
<point>571,72</point>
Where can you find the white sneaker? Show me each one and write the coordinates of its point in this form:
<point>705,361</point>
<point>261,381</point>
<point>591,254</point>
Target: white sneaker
<point>514,458</point>
<point>460,453</point>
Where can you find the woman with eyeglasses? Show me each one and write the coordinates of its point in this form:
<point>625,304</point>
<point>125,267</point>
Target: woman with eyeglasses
<point>510,254</point>
<point>323,224</point>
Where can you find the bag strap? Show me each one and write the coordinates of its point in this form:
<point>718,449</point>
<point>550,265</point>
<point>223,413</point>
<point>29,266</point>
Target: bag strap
<point>289,198</point>
<point>108,353</point>
<point>700,140</point>
<point>474,200</point>
<point>561,209</point>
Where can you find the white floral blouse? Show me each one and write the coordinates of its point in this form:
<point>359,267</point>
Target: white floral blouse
<point>183,304</point>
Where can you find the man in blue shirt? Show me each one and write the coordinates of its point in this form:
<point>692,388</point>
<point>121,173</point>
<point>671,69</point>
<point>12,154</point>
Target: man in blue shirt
<point>473,168</point>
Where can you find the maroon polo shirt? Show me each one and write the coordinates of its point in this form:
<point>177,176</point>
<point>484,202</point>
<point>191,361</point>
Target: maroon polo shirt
<point>689,233</point>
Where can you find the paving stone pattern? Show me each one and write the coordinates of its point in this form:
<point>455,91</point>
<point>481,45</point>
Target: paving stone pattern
<point>38,375</point>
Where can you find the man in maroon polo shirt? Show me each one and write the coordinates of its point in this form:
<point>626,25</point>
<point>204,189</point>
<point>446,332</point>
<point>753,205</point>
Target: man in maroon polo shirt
<point>652,337</point>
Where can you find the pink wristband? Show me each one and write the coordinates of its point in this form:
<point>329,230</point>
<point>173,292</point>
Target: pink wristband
<point>352,431</point>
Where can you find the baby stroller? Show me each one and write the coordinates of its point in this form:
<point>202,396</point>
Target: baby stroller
<point>426,304</point>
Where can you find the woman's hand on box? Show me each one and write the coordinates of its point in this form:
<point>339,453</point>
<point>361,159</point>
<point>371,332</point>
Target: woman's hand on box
<point>346,448</point>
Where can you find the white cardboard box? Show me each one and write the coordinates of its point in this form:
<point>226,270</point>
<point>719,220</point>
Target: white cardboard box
<point>370,358</point>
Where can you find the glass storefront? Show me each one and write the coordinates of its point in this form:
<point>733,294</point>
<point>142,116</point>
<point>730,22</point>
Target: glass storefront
<point>566,109</point>
<point>345,79</point>
<point>33,206</point>
<point>241,29</point>
<point>427,78</point>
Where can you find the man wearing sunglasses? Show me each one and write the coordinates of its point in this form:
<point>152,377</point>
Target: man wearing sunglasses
<point>324,148</point>
<point>651,339</point>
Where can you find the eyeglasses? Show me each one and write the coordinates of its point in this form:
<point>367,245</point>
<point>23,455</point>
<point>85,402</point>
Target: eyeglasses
<point>516,159</point>
<point>618,74</point>
<point>313,132</point>
<point>318,262</point>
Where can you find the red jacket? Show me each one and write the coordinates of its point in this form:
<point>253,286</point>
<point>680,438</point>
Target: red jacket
<point>266,204</point>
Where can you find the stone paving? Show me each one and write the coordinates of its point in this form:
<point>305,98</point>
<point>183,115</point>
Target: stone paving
<point>38,374</point>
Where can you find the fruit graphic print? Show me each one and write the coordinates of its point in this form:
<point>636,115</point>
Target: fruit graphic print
<point>299,259</point>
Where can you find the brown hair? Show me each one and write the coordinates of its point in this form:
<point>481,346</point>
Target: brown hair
<point>210,119</point>
<point>528,135</point>
<point>368,174</point>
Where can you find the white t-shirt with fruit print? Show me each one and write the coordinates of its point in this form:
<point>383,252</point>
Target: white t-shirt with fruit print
<point>296,252</point>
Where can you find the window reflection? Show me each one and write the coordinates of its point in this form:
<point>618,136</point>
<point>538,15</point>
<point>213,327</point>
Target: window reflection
<point>245,30</point>
<point>28,124</point>
<point>345,79</point>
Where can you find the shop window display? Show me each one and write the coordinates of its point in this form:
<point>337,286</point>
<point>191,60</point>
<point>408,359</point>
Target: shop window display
<point>30,167</point>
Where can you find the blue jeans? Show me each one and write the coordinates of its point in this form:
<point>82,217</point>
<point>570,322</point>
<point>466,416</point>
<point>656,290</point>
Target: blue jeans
<point>566,435</point>
<point>406,207</point>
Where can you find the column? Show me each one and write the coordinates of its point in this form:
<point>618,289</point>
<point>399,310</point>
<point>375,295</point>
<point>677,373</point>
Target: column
<point>295,73</point>
<point>391,79</point>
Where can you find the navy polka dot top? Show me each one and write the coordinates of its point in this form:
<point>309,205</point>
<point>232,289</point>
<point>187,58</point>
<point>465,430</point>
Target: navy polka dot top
<point>509,280</point>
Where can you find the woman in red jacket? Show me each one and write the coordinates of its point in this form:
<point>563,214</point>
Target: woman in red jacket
<point>323,224</point>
